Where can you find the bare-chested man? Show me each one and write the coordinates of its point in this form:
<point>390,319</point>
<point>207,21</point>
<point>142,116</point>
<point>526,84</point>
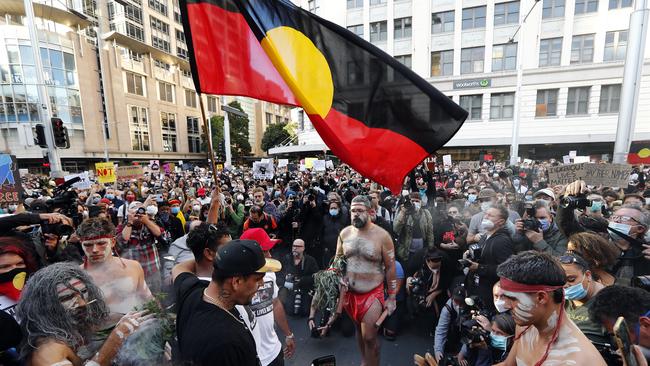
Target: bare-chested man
<point>121,280</point>
<point>370,257</point>
<point>532,287</point>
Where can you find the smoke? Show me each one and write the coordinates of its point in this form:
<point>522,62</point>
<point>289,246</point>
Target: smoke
<point>144,347</point>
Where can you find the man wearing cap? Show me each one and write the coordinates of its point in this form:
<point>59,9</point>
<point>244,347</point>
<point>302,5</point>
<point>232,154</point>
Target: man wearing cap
<point>487,198</point>
<point>545,194</point>
<point>545,238</point>
<point>210,330</point>
<point>532,285</point>
<point>201,196</point>
<point>370,255</point>
<point>169,222</point>
<point>175,209</point>
<point>266,310</point>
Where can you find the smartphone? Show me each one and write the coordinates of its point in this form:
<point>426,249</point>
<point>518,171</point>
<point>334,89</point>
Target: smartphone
<point>622,337</point>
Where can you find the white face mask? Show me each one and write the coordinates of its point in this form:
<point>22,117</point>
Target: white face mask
<point>500,305</point>
<point>196,207</point>
<point>152,210</point>
<point>487,225</point>
<point>417,205</point>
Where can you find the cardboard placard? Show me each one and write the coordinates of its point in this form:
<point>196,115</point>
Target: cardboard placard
<point>10,187</point>
<point>319,165</point>
<point>446,160</point>
<point>329,164</point>
<point>105,172</point>
<point>469,165</point>
<point>282,163</point>
<point>573,154</point>
<point>609,175</point>
<point>130,172</point>
<point>309,162</point>
<point>154,165</point>
<point>263,170</point>
<point>23,172</point>
<point>566,159</point>
<point>292,167</point>
<point>84,183</point>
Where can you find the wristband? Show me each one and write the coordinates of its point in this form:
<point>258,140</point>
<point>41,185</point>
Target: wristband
<point>311,319</point>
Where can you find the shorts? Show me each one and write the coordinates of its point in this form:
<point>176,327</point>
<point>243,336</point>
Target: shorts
<point>357,305</point>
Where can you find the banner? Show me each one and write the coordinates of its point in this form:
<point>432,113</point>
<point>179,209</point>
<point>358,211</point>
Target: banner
<point>84,183</point>
<point>105,172</point>
<point>446,160</point>
<point>609,175</point>
<point>309,162</point>
<point>468,165</point>
<point>154,165</point>
<point>329,164</point>
<point>282,163</point>
<point>319,165</point>
<point>10,187</point>
<point>129,172</point>
<point>263,170</point>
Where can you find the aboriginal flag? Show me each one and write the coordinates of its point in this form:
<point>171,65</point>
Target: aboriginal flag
<point>374,113</point>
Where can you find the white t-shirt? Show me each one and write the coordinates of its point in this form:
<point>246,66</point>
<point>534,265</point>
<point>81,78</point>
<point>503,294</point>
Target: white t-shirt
<point>259,318</point>
<point>8,305</point>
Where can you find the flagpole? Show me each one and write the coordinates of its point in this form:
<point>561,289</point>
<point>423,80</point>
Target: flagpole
<point>209,141</point>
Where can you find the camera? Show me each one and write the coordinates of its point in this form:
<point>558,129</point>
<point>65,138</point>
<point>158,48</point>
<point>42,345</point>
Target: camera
<point>56,229</point>
<point>471,331</point>
<point>532,224</point>
<point>406,202</point>
<point>572,202</point>
<point>475,251</point>
<point>141,211</point>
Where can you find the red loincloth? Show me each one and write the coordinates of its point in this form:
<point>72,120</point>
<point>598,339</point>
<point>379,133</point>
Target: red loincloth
<point>357,305</point>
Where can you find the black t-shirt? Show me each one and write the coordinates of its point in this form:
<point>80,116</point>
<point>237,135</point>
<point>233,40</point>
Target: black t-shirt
<point>207,335</point>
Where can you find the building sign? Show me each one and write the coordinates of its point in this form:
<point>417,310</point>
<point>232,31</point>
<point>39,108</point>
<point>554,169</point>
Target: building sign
<point>472,83</point>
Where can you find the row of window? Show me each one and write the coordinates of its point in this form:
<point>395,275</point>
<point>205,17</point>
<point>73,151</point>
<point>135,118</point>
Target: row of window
<point>502,104</point>
<point>135,84</point>
<point>278,119</point>
<point>140,134</point>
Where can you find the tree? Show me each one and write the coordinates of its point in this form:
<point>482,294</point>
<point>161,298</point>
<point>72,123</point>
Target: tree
<point>239,144</point>
<point>274,135</point>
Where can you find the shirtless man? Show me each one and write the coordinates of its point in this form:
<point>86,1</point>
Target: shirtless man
<point>370,257</point>
<point>532,288</point>
<point>121,280</point>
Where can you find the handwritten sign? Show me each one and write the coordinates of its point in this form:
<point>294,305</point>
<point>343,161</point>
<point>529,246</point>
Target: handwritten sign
<point>329,164</point>
<point>282,163</point>
<point>10,187</point>
<point>469,165</point>
<point>105,172</point>
<point>309,162</point>
<point>609,175</point>
<point>84,183</point>
<point>446,160</point>
<point>319,165</point>
<point>130,172</point>
<point>263,170</point>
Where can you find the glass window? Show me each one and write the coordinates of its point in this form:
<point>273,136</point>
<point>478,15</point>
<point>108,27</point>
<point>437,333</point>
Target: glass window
<point>212,104</point>
<point>442,22</point>
<point>402,28</point>
<point>502,105</point>
<point>578,101</point>
<point>471,60</point>
<point>30,74</point>
<point>615,46</point>
<point>139,126</point>
<point>58,76</point>
<point>356,29</point>
<point>190,98</point>
<point>553,9</point>
<point>617,4</point>
<point>26,55</point>
<point>377,2</point>
<point>193,135</point>
<point>550,52</point>
<point>269,118</point>
<point>504,57</point>
<point>13,54</point>
<point>473,105</point>
<point>586,6</point>
<point>610,98</point>
<point>352,4</point>
<point>442,63</point>
<point>134,84</point>
<point>159,6</point>
<point>56,58</point>
<point>546,103</point>
<point>582,49</point>
<point>68,60</point>
<point>16,74</point>
<point>378,31</point>
<point>506,13</point>
<point>404,60</point>
<point>166,92</point>
<point>45,57</point>
<point>474,17</point>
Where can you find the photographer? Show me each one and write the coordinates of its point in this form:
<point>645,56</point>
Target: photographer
<point>428,286</point>
<point>414,229</point>
<point>448,330</point>
<point>289,225</point>
<point>333,223</point>
<point>538,231</point>
<point>296,279</point>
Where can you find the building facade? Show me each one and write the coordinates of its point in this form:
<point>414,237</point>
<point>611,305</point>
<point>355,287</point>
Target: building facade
<point>571,55</point>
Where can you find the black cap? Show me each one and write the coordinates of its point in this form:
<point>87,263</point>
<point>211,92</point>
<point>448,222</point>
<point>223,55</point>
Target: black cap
<point>241,258</point>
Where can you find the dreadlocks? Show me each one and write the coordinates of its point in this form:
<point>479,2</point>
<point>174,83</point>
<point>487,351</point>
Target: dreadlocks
<point>42,316</point>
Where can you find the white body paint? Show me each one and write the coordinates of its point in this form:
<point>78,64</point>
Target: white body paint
<point>525,304</point>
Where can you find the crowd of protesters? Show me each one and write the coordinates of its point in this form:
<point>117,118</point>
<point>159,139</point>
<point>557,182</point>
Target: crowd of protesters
<point>480,255</point>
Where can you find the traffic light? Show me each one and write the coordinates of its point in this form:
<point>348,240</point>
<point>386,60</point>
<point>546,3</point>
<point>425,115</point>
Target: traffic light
<point>61,138</point>
<point>221,150</point>
<point>39,136</point>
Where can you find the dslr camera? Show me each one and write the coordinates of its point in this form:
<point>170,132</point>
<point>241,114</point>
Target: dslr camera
<point>475,251</point>
<point>471,331</point>
<point>573,202</point>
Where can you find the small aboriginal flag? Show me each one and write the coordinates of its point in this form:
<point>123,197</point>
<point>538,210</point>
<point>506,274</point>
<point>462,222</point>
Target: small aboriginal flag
<point>373,112</point>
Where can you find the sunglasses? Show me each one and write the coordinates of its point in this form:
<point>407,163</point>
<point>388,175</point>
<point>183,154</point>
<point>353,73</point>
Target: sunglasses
<point>434,260</point>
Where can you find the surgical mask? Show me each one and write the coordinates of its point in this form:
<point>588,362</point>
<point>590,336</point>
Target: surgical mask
<point>575,292</point>
<point>130,198</point>
<point>624,228</point>
<point>486,206</point>
<point>596,206</point>
<point>334,211</point>
<point>487,225</point>
<point>528,198</point>
<point>500,305</point>
<point>417,205</point>
<point>109,196</point>
<point>471,198</point>
<point>498,341</point>
<point>240,197</point>
<point>545,223</point>
<point>196,207</point>
<point>176,210</point>
<point>152,210</point>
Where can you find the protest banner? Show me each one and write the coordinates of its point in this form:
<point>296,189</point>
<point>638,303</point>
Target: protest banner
<point>581,159</point>
<point>609,175</point>
<point>329,164</point>
<point>105,172</point>
<point>154,165</point>
<point>84,183</point>
<point>309,162</point>
<point>282,163</point>
<point>129,172</point>
<point>469,165</point>
<point>263,170</point>
<point>11,188</point>
<point>446,160</point>
<point>23,172</point>
<point>319,165</point>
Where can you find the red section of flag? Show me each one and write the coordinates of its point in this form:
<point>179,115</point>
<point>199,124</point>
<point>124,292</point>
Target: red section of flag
<point>634,158</point>
<point>387,160</point>
<point>230,60</point>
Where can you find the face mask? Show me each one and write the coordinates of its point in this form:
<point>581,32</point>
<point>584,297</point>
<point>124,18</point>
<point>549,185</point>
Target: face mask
<point>240,197</point>
<point>471,198</point>
<point>546,224</point>
<point>575,292</point>
<point>487,225</point>
<point>596,206</point>
<point>417,205</point>
<point>647,201</point>
<point>176,210</point>
<point>498,341</point>
<point>109,196</point>
<point>624,228</point>
<point>196,207</point>
<point>12,282</point>
<point>500,305</point>
<point>152,210</point>
<point>130,199</point>
<point>486,206</point>
<point>334,212</point>
<point>12,208</point>
<point>515,183</point>
<point>528,198</point>
<point>423,191</point>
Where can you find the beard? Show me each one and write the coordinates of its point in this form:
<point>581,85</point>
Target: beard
<point>358,222</point>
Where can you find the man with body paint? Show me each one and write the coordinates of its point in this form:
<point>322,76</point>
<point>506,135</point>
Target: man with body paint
<point>532,284</point>
<point>370,255</point>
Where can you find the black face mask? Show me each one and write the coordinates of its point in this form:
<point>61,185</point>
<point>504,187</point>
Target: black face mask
<point>12,282</point>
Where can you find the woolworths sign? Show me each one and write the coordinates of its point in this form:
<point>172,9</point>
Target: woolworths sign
<point>472,83</point>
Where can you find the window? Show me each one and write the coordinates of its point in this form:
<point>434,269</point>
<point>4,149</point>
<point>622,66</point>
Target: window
<point>586,6</point>
<point>134,84</point>
<point>506,13</point>
<point>278,119</point>
<point>352,4</point>
<point>546,103</point>
<point>473,105</point>
<point>139,128</point>
<point>378,31</point>
<point>133,12</point>
<point>504,57</point>
<point>190,98</point>
<point>134,31</point>
<point>159,6</point>
<point>553,9</point>
<point>442,22</point>
<point>159,25</point>
<point>165,92</point>
<point>550,52</point>
<point>610,98</point>
<point>502,105</point>
<point>474,17</point>
<point>160,43</point>
<point>356,29</point>
<point>578,101</point>
<point>162,65</point>
<point>402,28</point>
<point>442,63</point>
<point>168,125</point>
<point>193,135</point>
<point>471,60</point>
<point>177,12</point>
<point>180,36</point>
<point>269,118</point>
<point>186,73</point>
<point>616,4</point>
<point>404,60</point>
<point>615,46</point>
<point>377,2</point>
<point>313,5</point>
<point>582,49</point>
<point>212,104</point>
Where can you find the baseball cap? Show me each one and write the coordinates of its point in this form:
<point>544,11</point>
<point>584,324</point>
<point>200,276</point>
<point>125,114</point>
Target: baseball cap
<point>261,237</point>
<point>201,191</point>
<point>547,191</point>
<point>487,193</point>
<point>242,257</point>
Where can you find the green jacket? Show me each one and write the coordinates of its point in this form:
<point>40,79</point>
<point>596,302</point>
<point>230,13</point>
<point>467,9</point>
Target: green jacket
<point>235,219</point>
<point>403,227</point>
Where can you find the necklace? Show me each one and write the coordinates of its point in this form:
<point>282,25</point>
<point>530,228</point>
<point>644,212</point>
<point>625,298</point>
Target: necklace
<point>213,301</point>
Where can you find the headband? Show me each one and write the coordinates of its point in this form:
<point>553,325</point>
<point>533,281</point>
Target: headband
<point>509,285</point>
<point>107,236</point>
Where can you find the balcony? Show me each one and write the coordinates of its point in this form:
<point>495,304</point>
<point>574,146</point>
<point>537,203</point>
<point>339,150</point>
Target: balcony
<point>48,9</point>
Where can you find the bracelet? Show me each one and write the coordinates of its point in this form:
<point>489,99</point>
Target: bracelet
<point>311,319</point>
<point>290,336</point>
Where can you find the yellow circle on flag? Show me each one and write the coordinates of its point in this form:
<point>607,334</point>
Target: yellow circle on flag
<point>644,153</point>
<point>19,280</point>
<point>302,66</point>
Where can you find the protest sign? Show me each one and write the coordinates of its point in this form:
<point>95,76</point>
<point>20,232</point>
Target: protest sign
<point>566,159</point>
<point>263,170</point>
<point>302,168</point>
<point>446,160</point>
<point>581,159</point>
<point>329,164</point>
<point>129,172</point>
<point>319,165</point>
<point>10,187</point>
<point>609,175</point>
<point>469,165</point>
<point>23,172</point>
<point>292,167</point>
<point>220,167</point>
<point>309,162</point>
<point>154,165</point>
<point>282,163</point>
<point>573,154</point>
<point>105,172</point>
<point>84,183</point>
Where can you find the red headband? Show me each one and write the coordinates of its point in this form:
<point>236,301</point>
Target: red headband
<point>107,236</point>
<point>509,285</point>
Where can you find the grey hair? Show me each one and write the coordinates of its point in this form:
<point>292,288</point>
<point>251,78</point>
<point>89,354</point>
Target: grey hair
<point>95,226</point>
<point>645,216</point>
<point>363,200</point>
<point>42,316</point>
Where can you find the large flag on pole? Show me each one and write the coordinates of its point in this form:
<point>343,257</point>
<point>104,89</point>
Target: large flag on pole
<point>374,113</point>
